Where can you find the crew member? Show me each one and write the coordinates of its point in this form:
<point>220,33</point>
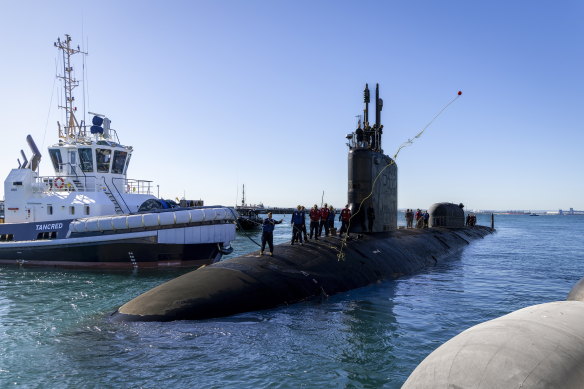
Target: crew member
<point>314,219</point>
<point>268,233</point>
<point>323,220</point>
<point>303,210</point>
<point>297,218</point>
<point>344,217</point>
<point>331,219</point>
<point>370,217</point>
<point>426,219</point>
<point>419,220</point>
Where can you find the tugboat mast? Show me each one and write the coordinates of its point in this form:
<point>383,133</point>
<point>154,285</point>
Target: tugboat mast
<point>72,128</point>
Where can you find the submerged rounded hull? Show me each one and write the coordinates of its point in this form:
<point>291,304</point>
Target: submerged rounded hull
<point>296,273</point>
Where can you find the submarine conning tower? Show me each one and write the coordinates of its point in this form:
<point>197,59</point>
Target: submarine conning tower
<point>372,175</point>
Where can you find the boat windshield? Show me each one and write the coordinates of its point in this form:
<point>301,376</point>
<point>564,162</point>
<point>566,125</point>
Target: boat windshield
<point>103,158</point>
<point>56,159</point>
<point>128,163</point>
<point>119,162</point>
<point>86,160</point>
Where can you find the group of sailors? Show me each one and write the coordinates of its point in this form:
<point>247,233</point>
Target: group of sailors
<point>471,219</point>
<point>421,217</point>
<point>320,219</point>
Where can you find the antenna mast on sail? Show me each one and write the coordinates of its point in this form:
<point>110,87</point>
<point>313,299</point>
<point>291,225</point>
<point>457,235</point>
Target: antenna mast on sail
<point>72,128</point>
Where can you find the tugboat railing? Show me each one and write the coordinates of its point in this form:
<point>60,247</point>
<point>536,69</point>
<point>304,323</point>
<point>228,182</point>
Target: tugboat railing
<point>86,183</point>
<point>63,183</point>
<point>137,186</point>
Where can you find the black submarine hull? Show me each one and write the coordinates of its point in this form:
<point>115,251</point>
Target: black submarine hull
<point>296,273</point>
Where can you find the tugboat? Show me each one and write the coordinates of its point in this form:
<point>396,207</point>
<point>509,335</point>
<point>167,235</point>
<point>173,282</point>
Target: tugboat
<point>89,214</point>
<point>248,218</point>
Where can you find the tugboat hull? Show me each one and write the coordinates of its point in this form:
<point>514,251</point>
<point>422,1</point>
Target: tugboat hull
<point>121,254</point>
<point>187,237</point>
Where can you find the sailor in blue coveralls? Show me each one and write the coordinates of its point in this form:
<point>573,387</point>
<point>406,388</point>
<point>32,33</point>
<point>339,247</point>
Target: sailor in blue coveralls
<point>268,233</point>
<point>297,222</point>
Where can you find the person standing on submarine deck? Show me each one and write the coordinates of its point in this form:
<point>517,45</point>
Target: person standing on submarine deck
<point>268,233</point>
<point>331,219</point>
<point>370,217</point>
<point>314,219</point>
<point>323,220</point>
<point>297,219</point>
<point>344,217</point>
<point>303,211</point>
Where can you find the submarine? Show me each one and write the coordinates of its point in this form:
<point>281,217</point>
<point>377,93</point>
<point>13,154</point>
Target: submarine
<point>540,346</point>
<point>325,267</point>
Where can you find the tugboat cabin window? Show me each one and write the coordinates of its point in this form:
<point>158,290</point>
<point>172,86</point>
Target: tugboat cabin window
<point>86,160</point>
<point>72,210</point>
<point>119,162</point>
<point>87,210</point>
<point>103,157</point>
<point>127,163</point>
<point>56,159</point>
<point>49,209</point>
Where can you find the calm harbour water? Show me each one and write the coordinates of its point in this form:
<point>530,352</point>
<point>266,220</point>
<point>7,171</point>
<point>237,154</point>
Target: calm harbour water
<point>55,332</point>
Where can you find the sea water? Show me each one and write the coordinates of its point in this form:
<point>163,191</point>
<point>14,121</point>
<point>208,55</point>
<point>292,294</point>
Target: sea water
<point>55,329</point>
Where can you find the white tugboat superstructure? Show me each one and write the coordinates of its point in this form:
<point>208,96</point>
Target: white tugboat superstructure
<point>86,214</point>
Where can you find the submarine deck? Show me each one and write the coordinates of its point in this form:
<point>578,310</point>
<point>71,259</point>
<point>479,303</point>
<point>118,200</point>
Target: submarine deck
<point>296,273</point>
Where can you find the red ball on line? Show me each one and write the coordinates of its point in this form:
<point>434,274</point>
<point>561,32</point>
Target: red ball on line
<point>459,92</point>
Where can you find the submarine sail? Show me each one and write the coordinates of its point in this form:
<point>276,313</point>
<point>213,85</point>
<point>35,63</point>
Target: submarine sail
<point>372,175</point>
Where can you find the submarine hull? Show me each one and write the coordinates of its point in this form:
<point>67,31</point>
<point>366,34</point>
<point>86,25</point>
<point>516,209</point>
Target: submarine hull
<point>296,273</point>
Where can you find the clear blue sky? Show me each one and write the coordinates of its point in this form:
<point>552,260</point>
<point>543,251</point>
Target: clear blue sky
<point>216,94</point>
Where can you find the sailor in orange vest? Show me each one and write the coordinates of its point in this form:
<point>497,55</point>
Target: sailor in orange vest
<point>324,212</point>
<point>314,219</point>
<point>344,217</point>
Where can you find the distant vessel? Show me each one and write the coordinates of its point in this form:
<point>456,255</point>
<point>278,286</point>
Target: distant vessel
<point>248,215</point>
<point>89,214</point>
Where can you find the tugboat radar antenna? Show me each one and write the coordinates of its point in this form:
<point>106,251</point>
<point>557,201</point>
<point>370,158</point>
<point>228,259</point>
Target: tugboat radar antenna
<point>72,127</point>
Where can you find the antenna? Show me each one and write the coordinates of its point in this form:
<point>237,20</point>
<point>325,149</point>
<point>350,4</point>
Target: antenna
<point>366,99</point>
<point>243,196</point>
<point>378,126</point>
<point>378,107</point>
<point>72,127</point>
